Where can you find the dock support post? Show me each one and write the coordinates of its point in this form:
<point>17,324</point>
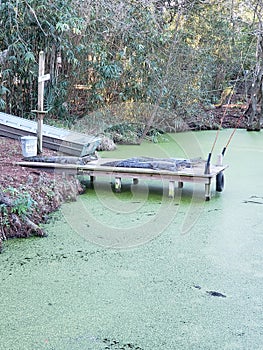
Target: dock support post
<point>208,191</point>
<point>117,184</point>
<point>171,189</point>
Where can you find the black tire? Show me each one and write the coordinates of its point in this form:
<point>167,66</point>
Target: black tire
<point>220,182</point>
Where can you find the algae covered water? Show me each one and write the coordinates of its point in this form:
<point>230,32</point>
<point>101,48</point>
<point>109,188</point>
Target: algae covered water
<point>136,270</point>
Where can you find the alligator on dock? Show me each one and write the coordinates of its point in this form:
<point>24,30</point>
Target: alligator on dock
<point>170,164</point>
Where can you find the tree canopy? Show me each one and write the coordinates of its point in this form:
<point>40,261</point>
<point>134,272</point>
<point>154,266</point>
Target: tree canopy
<point>175,55</point>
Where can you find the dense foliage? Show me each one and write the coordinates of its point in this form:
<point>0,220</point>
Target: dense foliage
<point>175,55</point>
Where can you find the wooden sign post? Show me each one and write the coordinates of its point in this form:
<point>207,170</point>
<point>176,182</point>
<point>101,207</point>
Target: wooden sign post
<point>42,77</point>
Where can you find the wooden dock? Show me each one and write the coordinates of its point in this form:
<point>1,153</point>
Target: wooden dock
<point>97,168</point>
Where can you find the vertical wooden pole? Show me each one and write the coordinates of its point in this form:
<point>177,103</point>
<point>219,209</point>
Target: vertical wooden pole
<point>171,189</point>
<point>208,191</point>
<point>117,184</point>
<point>40,105</point>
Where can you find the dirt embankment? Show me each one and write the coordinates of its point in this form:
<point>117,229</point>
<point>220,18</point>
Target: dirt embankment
<point>28,196</point>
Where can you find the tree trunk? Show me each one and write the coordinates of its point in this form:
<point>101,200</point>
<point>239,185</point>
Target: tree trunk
<point>255,108</point>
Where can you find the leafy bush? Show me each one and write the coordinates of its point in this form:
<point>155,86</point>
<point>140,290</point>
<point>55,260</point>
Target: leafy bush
<point>175,55</point>
<point>22,202</point>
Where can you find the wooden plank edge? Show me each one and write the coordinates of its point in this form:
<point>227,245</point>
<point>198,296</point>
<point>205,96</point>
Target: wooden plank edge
<point>119,170</point>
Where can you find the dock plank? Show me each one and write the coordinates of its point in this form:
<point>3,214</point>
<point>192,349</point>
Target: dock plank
<point>96,168</point>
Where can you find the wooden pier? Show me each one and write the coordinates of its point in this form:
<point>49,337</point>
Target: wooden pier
<point>97,168</point>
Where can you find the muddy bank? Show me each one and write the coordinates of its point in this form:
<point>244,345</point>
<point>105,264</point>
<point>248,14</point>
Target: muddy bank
<point>28,196</point>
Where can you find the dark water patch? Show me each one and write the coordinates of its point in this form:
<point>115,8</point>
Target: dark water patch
<point>215,294</point>
<point>254,200</point>
<point>210,292</point>
<point>20,263</point>
<point>91,342</point>
<point>213,210</point>
<point>116,345</point>
<point>197,286</point>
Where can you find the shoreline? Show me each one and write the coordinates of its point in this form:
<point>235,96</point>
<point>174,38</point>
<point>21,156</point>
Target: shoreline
<point>28,196</point>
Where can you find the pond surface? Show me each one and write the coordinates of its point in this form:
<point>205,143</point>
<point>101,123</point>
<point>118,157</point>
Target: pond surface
<point>179,274</point>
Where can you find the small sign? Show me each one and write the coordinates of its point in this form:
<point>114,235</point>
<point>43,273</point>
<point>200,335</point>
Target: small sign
<point>44,77</point>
